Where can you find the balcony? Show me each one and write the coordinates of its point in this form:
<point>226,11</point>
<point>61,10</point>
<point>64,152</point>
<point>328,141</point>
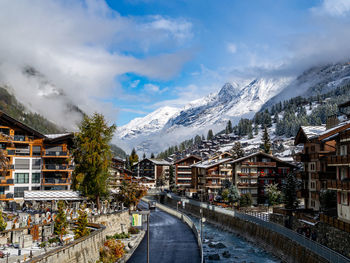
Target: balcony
<point>55,154</point>
<point>248,175</point>
<point>338,185</point>
<point>247,185</point>
<point>338,160</point>
<point>259,164</point>
<point>4,182</point>
<point>216,175</point>
<point>57,167</point>
<point>211,185</point>
<point>56,181</point>
<point>20,152</point>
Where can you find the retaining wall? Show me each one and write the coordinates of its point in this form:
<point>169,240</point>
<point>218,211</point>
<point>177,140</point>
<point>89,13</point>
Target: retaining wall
<point>278,244</point>
<point>86,249</point>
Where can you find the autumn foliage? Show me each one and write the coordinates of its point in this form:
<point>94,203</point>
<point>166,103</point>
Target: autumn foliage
<point>111,251</point>
<point>131,193</point>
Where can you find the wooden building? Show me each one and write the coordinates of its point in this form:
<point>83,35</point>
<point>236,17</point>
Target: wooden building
<point>252,173</point>
<point>208,176</point>
<point>35,161</point>
<point>183,171</point>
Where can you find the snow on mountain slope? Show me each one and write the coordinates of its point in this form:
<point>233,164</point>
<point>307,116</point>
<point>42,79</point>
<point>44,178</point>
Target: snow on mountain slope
<point>151,123</point>
<point>211,112</point>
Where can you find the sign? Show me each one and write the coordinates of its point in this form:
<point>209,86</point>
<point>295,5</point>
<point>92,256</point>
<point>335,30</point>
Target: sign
<point>136,220</point>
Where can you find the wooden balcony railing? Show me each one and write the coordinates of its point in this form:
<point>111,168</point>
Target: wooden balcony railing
<point>338,184</point>
<point>338,159</point>
<point>260,164</point>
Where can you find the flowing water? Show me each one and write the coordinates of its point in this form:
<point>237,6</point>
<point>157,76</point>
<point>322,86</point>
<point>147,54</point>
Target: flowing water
<point>236,249</point>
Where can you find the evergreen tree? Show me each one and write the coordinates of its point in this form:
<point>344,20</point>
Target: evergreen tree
<point>275,117</point>
<point>172,181</point>
<point>127,163</point>
<point>237,150</point>
<point>256,131</point>
<point>144,156</point>
<point>134,158</point>
<point>210,135</point>
<point>197,140</point>
<point>290,189</point>
<point>274,195</point>
<point>266,144</point>
<point>82,223</point>
<point>92,156</point>
<point>152,155</point>
<point>3,224</point>
<point>61,224</point>
<point>203,138</point>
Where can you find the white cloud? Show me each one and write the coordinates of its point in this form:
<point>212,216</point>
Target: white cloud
<point>232,48</point>
<point>135,83</point>
<point>333,8</point>
<point>78,47</point>
<point>152,88</point>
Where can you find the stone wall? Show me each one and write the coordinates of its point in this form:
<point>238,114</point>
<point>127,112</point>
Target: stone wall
<point>279,245</point>
<point>326,235</point>
<point>117,222</point>
<point>86,249</point>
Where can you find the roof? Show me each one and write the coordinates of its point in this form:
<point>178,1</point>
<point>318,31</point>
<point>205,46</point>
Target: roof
<point>187,157</point>
<point>47,195</point>
<point>59,137</point>
<point>262,153</point>
<point>159,161</point>
<point>210,163</point>
<point>306,133</point>
<point>19,124</point>
<point>345,104</point>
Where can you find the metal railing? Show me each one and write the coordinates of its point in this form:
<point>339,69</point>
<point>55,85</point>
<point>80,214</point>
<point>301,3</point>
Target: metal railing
<point>322,251</point>
<point>54,153</point>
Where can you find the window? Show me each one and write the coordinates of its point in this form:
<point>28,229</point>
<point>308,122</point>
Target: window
<point>22,164</point>
<point>19,191</point>
<point>21,178</point>
<point>245,170</point>
<point>36,150</point>
<point>342,173</point>
<point>35,178</point>
<point>344,198</point>
<point>343,150</point>
<point>312,167</point>
<point>312,203</point>
<point>5,131</point>
<point>36,164</point>
<point>313,185</point>
<point>35,188</point>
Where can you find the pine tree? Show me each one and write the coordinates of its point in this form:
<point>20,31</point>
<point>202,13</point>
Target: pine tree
<point>92,156</point>
<point>256,131</point>
<point>3,224</point>
<point>203,138</point>
<point>290,189</point>
<point>275,118</point>
<point>210,135</point>
<point>274,195</point>
<point>237,150</point>
<point>143,156</point>
<point>82,223</point>
<point>152,155</point>
<point>61,224</point>
<point>172,181</point>
<point>134,158</point>
<point>197,140</point>
<point>266,144</point>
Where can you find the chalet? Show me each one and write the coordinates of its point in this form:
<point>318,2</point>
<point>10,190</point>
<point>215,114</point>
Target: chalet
<point>208,176</point>
<point>35,161</point>
<point>183,170</point>
<point>118,174</point>
<point>153,172</point>
<point>319,146</point>
<point>252,173</point>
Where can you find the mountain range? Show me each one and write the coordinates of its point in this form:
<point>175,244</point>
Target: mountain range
<point>167,126</point>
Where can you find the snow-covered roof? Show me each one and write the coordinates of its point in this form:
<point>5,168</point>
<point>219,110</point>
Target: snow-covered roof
<point>257,153</point>
<point>159,161</point>
<point>312,131</point>
<point>54,136</point>
<point>210,163</point>
<point>48,195</point>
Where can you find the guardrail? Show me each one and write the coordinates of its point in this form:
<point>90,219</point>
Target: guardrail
<point>186,220</point>
<point>323,251</point>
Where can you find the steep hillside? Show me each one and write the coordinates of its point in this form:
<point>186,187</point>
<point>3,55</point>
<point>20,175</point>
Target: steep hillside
<point>10,105</point>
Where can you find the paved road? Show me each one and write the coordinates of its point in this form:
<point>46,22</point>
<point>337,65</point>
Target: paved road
<point>170,241</point>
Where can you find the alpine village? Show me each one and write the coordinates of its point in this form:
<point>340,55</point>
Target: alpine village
<point>174,131</point>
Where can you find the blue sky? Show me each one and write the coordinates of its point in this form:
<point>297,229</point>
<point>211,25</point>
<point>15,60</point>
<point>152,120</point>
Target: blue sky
<point>126,58</point>
<point>219,38</point>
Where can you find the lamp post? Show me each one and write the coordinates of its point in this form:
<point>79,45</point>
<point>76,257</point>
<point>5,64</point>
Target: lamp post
<point>147,213</point>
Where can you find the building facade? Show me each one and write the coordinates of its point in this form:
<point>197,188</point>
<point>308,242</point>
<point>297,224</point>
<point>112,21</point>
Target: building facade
<point>253,173</point>
<point>152,172</point>
<point>208,177</point>
<point>35,161</point>
<point>183,171</point>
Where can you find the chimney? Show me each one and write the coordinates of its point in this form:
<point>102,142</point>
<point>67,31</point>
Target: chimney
<point>332,121</point>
